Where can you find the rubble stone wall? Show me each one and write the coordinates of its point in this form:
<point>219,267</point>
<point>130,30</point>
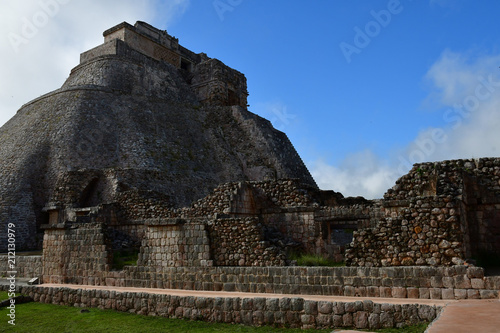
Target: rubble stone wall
<point>281,312</point>
<point>240,242</point>
<point>440,213</point>
<point>426,232</point>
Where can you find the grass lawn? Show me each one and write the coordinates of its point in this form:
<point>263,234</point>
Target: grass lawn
<point>48,318</point>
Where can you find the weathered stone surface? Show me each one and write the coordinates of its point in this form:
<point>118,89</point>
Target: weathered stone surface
<point>130,123</point>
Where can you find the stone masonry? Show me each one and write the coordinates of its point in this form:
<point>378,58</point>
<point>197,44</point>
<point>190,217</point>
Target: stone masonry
<point>440,213</point>
<point>140,118</point>
<point>280,312</point>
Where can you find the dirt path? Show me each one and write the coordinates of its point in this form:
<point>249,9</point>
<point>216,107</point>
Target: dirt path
<point>481,316</point>
<point>180,292</point>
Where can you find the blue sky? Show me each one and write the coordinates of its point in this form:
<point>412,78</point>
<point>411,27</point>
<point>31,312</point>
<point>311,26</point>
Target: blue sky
<point>362,88</point>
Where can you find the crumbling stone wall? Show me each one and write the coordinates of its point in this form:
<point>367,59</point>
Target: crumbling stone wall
<point>440,213</point>
<point>427,232</point>
<point>240,242</point>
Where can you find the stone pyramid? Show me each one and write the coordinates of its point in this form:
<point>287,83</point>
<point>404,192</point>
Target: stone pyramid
<point>139,113</point>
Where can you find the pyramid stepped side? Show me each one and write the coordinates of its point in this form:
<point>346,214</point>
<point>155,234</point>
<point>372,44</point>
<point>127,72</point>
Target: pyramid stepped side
<point>140,117</point>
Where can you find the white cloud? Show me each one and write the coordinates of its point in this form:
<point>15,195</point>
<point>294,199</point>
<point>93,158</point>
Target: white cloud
<point>466,89</point>
<point>360,174</point>
<point>42,40</point>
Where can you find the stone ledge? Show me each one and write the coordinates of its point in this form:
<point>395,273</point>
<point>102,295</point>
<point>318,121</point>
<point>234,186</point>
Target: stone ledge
<point>251,311</point>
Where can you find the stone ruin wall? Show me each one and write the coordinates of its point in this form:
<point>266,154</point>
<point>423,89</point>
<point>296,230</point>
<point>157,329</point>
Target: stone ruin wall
<point>257,223</point>
<point>70,255</point>
<point>173,243</point>
<point>279,312</point>
<point>239,224</point>
<point>424,282</point>
<point>426,232</point>
<point>440,213</point>
<point>241,242</point>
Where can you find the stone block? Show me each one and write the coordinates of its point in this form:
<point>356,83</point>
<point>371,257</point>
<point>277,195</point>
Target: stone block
<point>399,292</point>
<point>477,283</point>
<point>349,291</point>
<point>360,291</point>
<point>350,307</point>
<point>347,320</point>
<point>426,312</point>
<point>311,307</point>
<point>325,307</point>
<point>373,291</point>
<point>460,293</point>
<point>307,320</point>
<point>473,294</point>
<point>436,282</point>
<point>448,282</point>
<point>323,321</point>
<point>337,321</point>
<point>285,304</point>
<point>297,304</point>
<point>385,292</point>
<point>386,320</point>
<point>360,319</point>
<point>488,294</point>
<point>462,282</point>
<point>435,293</point>
<point>424,293</point>
<point>447,293</point>
<point>412,292</point>
<point>338,308</point>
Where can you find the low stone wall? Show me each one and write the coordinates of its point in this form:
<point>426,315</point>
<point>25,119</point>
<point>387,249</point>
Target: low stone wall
<point>458,282</point>
<point>290,312</point>
<point>25,266</point>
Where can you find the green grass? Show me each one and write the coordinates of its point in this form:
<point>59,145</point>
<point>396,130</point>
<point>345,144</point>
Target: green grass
<point>125,258</point>
<point>315,260</point>
<point>5,295</point>
<point>37,317</point>
<point>44,318</point>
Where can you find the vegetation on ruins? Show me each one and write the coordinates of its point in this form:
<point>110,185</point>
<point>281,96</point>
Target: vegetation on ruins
<point>311,260</point>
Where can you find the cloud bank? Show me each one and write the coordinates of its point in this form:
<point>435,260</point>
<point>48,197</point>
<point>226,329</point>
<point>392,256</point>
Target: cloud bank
<point>465,89</point>
<point>41,40</point>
